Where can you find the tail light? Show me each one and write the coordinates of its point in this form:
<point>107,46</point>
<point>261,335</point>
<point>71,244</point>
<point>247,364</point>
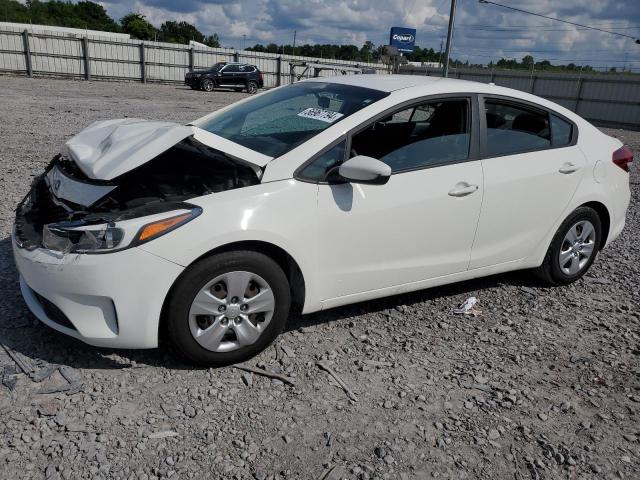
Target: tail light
<point>623,157</point>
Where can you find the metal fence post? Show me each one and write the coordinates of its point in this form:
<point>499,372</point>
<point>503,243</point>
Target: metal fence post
<point>87,60</point>
<point>190,59</point>
<point>579,94</point>
<point>143,68</point>
<point>27,52</point>
<point>279,72</point>
<point>236,56</point>
<point>533,84</point>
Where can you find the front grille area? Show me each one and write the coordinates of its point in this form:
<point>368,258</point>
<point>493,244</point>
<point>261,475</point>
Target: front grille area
<point>36,210</point>
<point>53,312</point>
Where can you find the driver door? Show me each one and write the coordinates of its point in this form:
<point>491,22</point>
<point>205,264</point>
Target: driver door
<point>419,225</point>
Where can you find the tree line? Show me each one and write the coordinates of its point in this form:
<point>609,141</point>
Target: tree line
<point>92,16</point>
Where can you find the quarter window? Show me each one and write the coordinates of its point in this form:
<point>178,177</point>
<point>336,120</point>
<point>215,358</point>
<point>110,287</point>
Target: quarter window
<point>429,134</point>
<point>512,129</point>
<point>561,131</point>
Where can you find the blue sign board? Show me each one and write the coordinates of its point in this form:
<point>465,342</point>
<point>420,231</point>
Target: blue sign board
<point>404,39</point>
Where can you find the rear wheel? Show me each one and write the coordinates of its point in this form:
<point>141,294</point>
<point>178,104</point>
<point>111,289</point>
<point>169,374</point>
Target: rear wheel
<point>573,248</point>
<point>227,308</point>
<point>252,86</point>
<point>207,85</point>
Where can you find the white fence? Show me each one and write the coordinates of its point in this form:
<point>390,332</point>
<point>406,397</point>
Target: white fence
<point>610,100</point>
<point>93,58</point>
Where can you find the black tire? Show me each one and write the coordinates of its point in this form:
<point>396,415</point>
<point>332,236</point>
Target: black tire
<point>252,86</point>
<point>207,85</point>
<point>193,87</point>
<point>177,330</point>
<point>550,271</point>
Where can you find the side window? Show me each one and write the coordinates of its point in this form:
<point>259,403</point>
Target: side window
<point>318,169</point>
<point>561,131</point>
<point>512,129</point>
<point>231,69</point>
<point>433,133</point>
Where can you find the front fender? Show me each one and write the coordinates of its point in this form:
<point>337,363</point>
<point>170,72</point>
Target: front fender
<point>280,213</point>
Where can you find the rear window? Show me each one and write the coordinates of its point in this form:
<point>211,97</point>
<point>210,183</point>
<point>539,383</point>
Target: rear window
<point>280,120</point>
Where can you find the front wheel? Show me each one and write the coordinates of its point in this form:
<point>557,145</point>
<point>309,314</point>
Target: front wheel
<point>573,248</point>
<point>252,87</point>
<point>227,308</point>
<point>207,85</point>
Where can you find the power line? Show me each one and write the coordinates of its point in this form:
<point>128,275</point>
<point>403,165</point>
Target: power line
<point>527,27</point>
<point>559,20</point>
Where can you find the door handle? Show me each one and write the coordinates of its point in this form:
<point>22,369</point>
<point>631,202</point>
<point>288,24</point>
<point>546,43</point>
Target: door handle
<point>463,189</point>
<point>568,168</point>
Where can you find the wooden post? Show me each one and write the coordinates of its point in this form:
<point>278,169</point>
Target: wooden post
<point>143,68</point>
<point>87,60</point>
<point>27,52</point>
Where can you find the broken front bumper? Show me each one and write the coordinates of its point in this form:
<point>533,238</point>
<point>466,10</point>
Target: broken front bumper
<point>107,300</point>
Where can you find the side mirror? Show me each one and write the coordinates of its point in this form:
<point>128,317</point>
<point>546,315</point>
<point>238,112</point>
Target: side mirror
<point>363,169</point>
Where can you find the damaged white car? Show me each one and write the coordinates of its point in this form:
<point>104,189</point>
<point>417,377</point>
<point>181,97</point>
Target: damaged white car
<point>318,194</point>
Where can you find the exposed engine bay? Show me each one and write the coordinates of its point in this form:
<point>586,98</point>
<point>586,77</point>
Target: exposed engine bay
<point>64,200</point>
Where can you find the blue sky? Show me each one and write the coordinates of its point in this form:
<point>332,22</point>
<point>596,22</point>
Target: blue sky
<point>483,32</point>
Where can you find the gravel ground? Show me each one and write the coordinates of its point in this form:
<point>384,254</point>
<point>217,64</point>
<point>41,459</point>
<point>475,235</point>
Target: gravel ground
<point>543,384</point>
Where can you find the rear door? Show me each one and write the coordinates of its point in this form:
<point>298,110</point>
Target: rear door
<point>231,75</point>
<point>532,167</point>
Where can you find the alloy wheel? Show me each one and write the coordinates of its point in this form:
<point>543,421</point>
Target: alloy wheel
<point>207,85</point>
<point>231,311</point>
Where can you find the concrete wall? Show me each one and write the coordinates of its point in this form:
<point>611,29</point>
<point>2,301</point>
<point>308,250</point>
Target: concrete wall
<point>605,99</point>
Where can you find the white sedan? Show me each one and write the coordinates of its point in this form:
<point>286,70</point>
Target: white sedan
<point>318,194</point>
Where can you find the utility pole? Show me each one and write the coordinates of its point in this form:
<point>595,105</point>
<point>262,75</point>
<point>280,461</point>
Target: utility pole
<point>447,52</point>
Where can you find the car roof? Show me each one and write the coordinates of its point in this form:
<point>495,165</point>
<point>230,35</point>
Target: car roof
<point>420,85</point>
<point>391,83</point>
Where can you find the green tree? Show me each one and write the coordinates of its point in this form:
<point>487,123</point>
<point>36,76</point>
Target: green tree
<point>212,41</point>
<point>179,32</point>
<point>138,27</point>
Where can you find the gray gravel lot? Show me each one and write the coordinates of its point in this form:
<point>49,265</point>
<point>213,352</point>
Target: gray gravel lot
<point>545,383</point>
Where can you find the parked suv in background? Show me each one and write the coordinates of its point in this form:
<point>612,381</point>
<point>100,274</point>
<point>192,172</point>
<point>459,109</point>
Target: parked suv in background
<point>238,76</point>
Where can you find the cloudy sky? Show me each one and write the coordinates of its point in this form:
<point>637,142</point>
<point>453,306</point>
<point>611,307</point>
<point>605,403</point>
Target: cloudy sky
<point>483,32</point>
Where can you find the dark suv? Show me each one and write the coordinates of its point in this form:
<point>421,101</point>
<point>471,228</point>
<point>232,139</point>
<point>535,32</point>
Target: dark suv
<point>238,76</point>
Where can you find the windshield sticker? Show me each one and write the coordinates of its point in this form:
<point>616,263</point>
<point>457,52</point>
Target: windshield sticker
<point>321,114</point>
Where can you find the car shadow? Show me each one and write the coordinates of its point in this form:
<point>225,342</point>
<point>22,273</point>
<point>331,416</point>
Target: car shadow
<point>22,332</point>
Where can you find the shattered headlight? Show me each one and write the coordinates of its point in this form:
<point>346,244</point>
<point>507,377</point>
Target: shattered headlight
<point>79,237</point>
<point>79,240</point>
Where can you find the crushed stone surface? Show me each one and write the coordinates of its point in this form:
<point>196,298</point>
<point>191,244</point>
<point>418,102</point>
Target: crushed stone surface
<point>543,384</point>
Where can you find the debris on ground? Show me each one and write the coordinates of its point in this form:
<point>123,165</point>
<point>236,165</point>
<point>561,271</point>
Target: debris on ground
<point>324,365</point>
<point>468,307</point>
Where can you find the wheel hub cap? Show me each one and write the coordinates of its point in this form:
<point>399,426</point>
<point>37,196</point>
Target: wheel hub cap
<point>577,247</point>
<point>231,311</point>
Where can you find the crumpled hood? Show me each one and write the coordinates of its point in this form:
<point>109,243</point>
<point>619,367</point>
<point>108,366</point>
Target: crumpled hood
<point>106,149</point>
